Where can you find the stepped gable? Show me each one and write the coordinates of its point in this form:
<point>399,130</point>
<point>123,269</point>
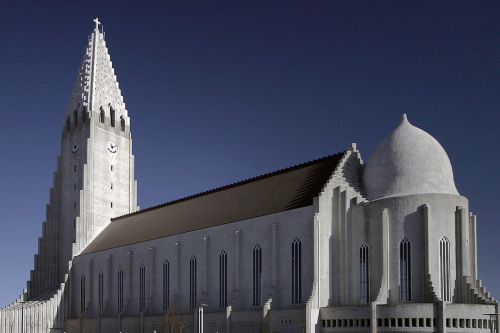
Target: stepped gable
<point>275,192</point>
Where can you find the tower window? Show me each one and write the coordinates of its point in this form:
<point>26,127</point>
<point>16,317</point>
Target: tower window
<point>68,124</point>
<point>112,116</point>
<point>405,270</point>
<point>142,288</point>
<point>75,118</point>
<point>101,115</point>
<point>120,290</point>
<point>74,186</point>
<point>192,282</point>
<point>84,115</point>
<point>364,286</point>
<point>122,123</point>
<point>74,168</point>
<point>111,167</point>
<point>111,204</point>
<point>111,186</point>
<point>444,267</point>
<point>222,279</point>
<point>166,285</point>
<point>296,271</point>
<point>257,274</point>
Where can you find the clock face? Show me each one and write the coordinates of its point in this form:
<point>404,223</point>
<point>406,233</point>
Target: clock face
<point>112,147</point>
<point>75,148</point>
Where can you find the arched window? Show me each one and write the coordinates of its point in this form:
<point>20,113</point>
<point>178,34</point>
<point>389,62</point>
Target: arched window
<point>75,118</point>
<point>68,124</point>
<point>142,288</point>
<point>122,123</point>
<point>364,285</point>
<point>223,279</point>
<point>166,285</point>
<point>101,115</point>
<point>192,282</point>
<point>296,271</point>
<point>100,297</point>
<point>120,290</point>
<point>82,294</point>
<point>112,116</point>
<point>405,271</point>
<point>444,260</point>
<point>257,274</point>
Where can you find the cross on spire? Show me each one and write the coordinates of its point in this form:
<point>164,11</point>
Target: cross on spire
<point>97,23</point>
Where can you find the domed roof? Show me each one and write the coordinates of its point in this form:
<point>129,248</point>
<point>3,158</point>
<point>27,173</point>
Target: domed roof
<point>408,161</point>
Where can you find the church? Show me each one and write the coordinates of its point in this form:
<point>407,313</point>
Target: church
<point>329,245</point>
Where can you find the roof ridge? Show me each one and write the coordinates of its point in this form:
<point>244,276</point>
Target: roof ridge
<point>232,185</point>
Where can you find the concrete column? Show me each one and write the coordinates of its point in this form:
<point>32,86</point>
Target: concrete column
<point>473,245</point>
<point>236,263</point>
<point>441,316</point>
<point>152,274</point>
<point>274,259</point>
<point>204,271</point>
<point>373,317</point>
<point>177,279</point>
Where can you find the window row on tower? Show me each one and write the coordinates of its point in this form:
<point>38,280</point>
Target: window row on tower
<point>82,117</point>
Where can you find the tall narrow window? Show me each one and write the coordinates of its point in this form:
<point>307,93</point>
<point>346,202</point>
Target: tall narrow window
<point>192,282</point>
<point>296,271</point>
<point>112,116</point>
<point>120,291</point>
<point>122,123</point>
<point>75,118</point>
<point>84,115</point>
<point>100,296</point>
<point>68,124</point>
<point>257,274</point>
<point>101,116</point>
<point>142,288</point>
<point>223,279</point>
<point>82,294</point>
<point>166,285</point>
<point>364,285</point>
<point>444,260</point>
<point>405,270</point>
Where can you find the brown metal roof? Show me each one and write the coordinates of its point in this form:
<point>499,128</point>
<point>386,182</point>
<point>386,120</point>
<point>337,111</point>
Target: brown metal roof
<point>282,190</point>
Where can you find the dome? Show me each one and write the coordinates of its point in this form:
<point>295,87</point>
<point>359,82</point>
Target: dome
<point>408,161</point>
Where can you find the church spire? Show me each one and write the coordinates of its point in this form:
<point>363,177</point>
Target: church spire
<point>96,86</point>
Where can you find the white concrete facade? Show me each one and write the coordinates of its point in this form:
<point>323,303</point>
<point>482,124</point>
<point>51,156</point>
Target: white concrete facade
<point>386,247</point>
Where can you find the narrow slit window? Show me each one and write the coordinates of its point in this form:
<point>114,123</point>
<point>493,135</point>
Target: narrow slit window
<point>101,116</point>
<point>68,124</point>
<point>444,259</point>
<point>142,288</point>
<point>75,118</point>
<point>166,285</point>
<point>257,275</point>
<point>122,123</point>
<point>101,292</point>
<point>222,279</point>
<point>120,291</point>
<point>296,271</point>
<point>82,294</point>
<point>192,282</point>
<point>112,116</point>
<point>364,285</point>
<point>405,270</point>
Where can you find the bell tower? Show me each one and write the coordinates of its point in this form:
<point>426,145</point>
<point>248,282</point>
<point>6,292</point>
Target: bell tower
<point>97,161</point>
<point>94,181</point>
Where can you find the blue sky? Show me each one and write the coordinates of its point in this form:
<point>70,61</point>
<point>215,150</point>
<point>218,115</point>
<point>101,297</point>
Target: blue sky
<point>219,91</point>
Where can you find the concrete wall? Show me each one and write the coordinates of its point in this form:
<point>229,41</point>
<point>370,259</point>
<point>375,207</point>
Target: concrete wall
<point>236,239</point>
